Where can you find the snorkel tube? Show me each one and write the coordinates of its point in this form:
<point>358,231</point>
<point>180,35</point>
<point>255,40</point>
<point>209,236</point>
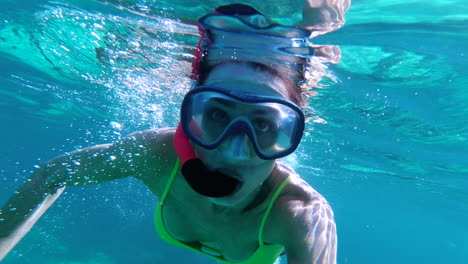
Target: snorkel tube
<point>202,180</point>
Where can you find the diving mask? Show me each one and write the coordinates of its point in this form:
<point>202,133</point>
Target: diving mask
<point>210,115</point>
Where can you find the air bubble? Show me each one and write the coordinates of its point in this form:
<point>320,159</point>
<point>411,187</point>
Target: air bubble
<point>115,125</point>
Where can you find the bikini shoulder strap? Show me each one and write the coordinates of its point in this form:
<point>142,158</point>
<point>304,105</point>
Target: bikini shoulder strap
<point>270,206</point>
<point>170,180</point>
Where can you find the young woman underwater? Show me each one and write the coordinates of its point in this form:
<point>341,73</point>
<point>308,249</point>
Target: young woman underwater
<point>220,187</point>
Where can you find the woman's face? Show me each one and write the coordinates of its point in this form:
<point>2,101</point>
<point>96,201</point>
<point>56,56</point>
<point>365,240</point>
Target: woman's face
<point>236,155</point>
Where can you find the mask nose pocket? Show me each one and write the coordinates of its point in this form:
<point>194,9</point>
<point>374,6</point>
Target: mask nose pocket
<point>237,144</point>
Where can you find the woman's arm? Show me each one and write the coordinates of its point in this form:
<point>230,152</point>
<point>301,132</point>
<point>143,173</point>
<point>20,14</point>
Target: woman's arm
<point>134,155</point>
<point>311,237</point>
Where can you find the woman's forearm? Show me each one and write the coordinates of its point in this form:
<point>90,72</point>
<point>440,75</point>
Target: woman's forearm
<point>25,207</point>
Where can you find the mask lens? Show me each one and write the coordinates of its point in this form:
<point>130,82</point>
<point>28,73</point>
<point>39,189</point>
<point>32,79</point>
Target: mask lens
<point>274,128</point>
<point>207,117</point>
<point>276,131</point>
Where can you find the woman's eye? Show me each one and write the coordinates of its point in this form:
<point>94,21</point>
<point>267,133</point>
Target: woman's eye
<point>262,125</point>
<point>217,115</point>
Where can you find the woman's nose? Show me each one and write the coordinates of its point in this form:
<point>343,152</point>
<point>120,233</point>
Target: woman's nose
<point>238,147</point>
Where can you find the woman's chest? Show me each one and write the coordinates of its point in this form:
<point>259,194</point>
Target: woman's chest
<point>234,236</point>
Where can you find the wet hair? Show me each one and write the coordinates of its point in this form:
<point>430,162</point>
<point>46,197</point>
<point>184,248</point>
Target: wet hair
<point>300,74</point>
<point>237,9</point>
<point>293,91</point>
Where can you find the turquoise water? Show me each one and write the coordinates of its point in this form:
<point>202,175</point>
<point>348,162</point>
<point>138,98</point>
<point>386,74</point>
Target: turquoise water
<point>387,145</point>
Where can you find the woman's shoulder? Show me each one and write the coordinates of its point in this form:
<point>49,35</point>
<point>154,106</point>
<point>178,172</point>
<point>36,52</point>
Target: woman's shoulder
<point>153,135</point>
<point>156,155</point>
<point>152,144</point>
<point>299,205</point>
<point>297,190</point>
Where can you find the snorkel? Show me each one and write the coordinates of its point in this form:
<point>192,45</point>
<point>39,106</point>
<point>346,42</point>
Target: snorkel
<point>202,180</point>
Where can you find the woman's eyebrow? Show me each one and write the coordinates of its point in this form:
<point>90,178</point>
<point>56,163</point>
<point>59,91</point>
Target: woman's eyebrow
<point>265,110</point>
<point>271,111</point>
<point>223,102</point>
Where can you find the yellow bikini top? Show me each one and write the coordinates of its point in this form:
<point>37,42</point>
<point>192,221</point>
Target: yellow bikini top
<point>265,253</point>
